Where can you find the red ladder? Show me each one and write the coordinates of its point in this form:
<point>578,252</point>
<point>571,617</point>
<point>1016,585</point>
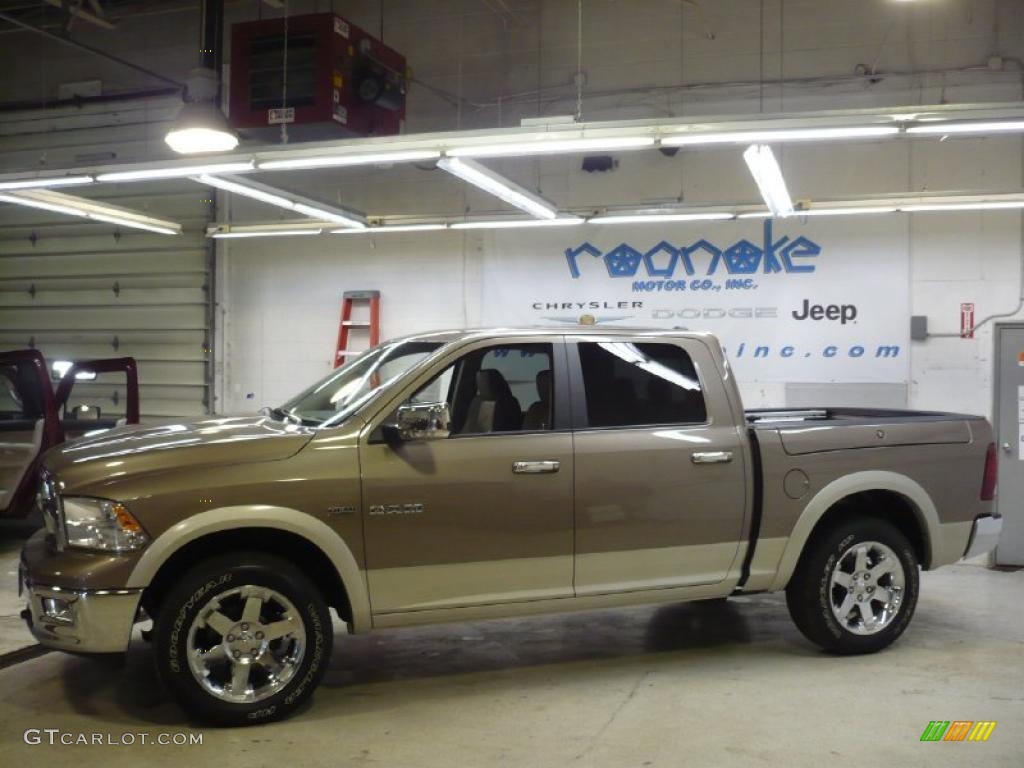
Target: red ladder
<point>348,299</point>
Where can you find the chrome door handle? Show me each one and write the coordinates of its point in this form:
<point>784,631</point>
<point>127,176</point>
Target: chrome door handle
<point>535,467</point>
<point>1007,447</point>
<point>711,457</point>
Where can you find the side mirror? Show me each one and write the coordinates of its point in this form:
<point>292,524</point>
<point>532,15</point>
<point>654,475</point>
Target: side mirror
<point>420,421</point>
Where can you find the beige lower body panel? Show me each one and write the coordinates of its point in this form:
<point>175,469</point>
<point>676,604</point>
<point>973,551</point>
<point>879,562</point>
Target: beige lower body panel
<point>555,605</point>
<point>450,585</point>
<point>951,543</point>
<point>655,568</point>
<point>765,564</point>
<point>948,547</point>
<point>544,585</point>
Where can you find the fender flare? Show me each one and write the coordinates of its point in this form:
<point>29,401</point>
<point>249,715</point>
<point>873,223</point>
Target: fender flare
<point>839,489</point>
<point>223,519</point>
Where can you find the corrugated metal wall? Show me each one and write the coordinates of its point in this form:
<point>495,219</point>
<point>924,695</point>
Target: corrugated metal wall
<point>75,289</point>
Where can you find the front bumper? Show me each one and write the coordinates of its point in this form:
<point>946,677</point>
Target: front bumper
<point>70,604</point>
<point>87,621</point>
<point>984,536</point>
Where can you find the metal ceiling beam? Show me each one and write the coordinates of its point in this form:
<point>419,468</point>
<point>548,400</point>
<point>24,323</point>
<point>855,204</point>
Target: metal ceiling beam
<point>880,204</point>
<point>355,149</point>
<point>88,49</point>
<point>75,10</point>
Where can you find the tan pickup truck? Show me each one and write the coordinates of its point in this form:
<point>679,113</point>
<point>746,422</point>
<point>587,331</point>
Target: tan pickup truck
<point>474,474</point>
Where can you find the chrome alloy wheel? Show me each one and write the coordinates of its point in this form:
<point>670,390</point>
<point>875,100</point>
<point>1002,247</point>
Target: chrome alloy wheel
<point>246,644</point>
<point>866,588</point>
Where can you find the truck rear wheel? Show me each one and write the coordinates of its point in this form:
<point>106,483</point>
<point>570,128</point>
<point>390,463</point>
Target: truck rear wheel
<point>242,639</point>
<point>855,587</point>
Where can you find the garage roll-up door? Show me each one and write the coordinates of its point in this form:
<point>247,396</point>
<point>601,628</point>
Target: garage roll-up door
<point>77,290</point>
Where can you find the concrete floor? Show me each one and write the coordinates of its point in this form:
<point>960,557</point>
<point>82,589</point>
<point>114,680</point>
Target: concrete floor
<point>701,684</point>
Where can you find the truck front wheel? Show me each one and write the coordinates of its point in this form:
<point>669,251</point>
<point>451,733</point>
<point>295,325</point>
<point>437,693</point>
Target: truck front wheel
<point>855,587</point>
<point>242,639</point>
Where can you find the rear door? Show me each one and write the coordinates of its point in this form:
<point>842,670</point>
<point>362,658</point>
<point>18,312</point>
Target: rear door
<point>660,485</point>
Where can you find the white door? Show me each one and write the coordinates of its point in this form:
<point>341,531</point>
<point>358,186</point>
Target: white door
<point>1009,425</point>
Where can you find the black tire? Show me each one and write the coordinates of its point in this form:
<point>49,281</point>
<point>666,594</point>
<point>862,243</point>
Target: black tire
<point>219,576</point>
<point>810,592</point>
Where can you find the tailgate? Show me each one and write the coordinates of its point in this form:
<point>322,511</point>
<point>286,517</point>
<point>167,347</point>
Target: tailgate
<point>809,438</point>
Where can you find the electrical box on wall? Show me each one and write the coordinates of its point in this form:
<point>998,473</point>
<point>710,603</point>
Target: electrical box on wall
<point>331,80</point>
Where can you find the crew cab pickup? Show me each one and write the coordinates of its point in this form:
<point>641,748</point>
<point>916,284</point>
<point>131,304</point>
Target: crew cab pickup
<point>464,475</point>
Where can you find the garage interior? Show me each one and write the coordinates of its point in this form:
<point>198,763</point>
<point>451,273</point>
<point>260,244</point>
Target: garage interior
<point>395,167</point>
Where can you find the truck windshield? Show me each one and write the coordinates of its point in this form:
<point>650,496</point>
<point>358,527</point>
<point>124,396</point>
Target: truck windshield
<point>334,398</point>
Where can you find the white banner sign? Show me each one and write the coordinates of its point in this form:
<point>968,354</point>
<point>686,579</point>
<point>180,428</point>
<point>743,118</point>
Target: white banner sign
<point>791,300</point>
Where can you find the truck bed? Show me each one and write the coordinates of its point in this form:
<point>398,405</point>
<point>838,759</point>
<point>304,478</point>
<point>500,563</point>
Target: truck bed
<point>812,430</point>
<point>773,417</point>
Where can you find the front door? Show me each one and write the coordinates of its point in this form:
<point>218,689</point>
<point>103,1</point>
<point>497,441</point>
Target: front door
<point>485,515</point>
<point>1009,424</point>
<point>661,488</point>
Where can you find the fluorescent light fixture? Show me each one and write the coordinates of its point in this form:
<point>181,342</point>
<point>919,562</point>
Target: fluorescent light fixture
<point>846,211</point>
<point>543,146</point>
<point>391,228</point>
<point>132,224</point>
<point>780,135</point>
<point>986,126</point>
<point>768,176</point>
<point>42,206</point>
<point>181,171</point>
<point>61,367</point>
<point>473,173</point>
<point>229,185</point>
<point>265,233</point>
<point>994,205</point>
<point>564,221</point>
<point>282,199</point>
<point>646,218</point>
<point>57,202</point>
<point>356,158</point>
<point>755,215</point>
<point>46,183</point>
<point>338,217</point>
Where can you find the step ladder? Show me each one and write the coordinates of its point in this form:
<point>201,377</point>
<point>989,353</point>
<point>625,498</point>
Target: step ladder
<point>370,299</point>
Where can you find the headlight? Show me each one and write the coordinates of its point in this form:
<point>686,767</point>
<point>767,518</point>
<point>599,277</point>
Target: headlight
<point>101,524</point>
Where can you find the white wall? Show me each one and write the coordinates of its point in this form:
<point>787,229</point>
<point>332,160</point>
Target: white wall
<point>282,301</point>
<point>434,280</point>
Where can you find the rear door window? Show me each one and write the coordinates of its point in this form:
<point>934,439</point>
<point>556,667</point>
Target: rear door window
<point>629,384</point>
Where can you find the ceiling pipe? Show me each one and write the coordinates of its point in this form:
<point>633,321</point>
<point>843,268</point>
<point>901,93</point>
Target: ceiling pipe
<point>211,47</point>
<point>80,101</point>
